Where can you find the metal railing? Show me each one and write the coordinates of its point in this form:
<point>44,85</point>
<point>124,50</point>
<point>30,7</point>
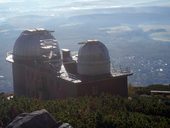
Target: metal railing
<point>121,70</point>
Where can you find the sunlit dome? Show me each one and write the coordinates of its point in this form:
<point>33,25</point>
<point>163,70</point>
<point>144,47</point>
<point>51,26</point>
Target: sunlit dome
<point>93,59</point>
<point>29,42</point>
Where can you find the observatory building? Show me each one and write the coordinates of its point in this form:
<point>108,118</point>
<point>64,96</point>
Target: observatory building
<point>40,71</point>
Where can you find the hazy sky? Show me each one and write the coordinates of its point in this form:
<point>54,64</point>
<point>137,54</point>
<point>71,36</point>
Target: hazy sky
<point>11,8</point>
<point>87,2</point>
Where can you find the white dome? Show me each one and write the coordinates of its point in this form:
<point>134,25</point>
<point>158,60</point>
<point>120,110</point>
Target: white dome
<point>28,43</point>
<point>93,59</point>
<point>37,44</point>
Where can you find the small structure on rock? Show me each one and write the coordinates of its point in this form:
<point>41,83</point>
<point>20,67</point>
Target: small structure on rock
<point>39,70</point>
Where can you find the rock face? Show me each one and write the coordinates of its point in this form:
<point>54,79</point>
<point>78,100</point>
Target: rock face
<point>36,119</point>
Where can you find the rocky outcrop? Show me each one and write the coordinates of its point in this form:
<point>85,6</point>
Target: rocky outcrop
<point>37,119</point>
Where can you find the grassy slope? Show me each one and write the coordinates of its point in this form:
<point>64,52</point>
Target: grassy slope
<point>90,112</point>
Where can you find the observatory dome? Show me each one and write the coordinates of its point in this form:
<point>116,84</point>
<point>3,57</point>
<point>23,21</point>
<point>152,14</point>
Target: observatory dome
<point>93,59</point>
<point>29,42</point>
<point>34,44</point>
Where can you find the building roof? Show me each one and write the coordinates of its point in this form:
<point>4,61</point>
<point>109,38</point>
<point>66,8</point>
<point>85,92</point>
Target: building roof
<point>160,92</point>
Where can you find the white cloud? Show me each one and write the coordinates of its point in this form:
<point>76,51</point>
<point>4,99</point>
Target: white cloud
<point>161,36</point>
<point>71,25</point>
<point>117,29</point>
<point>3,30</point>
<point>157,32</point>
<point>10,1</point>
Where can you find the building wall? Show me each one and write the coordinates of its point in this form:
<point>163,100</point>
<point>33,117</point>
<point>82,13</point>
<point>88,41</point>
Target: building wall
<point>33,82</point>
<point>19,79</point>
<point>42,83</point>
<point>113,86</point>
<point>66,89</point>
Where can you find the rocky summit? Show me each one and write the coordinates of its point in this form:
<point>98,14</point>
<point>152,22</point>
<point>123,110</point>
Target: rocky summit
<point>37,119</point>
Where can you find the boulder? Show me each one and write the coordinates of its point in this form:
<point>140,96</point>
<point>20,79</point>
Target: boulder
<point>36,119</point>
<point>65,125</point>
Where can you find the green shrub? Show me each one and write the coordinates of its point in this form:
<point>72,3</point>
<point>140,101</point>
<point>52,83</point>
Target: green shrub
<point>94,112</point>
